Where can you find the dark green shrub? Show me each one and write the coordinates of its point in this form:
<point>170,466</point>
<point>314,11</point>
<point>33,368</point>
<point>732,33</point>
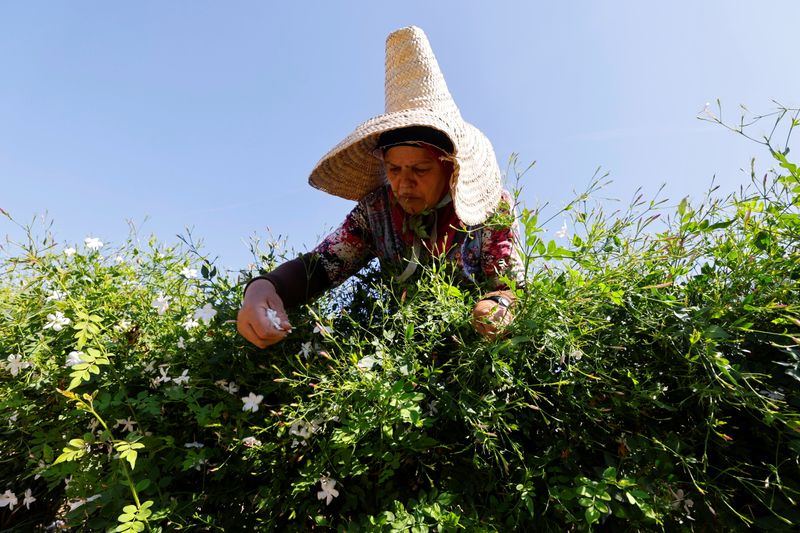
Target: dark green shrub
<point>649,382</point>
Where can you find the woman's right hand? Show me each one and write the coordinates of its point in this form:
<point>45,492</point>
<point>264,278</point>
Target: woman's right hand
<point>253,322</point>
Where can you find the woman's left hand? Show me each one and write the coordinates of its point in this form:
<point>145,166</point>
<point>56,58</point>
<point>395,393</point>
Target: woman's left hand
<point>489,318</point>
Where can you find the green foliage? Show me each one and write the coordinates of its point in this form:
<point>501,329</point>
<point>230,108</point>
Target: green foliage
<point>648,382</point>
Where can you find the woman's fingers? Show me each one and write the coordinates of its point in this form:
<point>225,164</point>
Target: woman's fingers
<point>255,325</point>
<point>262,319</point>
<point>275,303</point>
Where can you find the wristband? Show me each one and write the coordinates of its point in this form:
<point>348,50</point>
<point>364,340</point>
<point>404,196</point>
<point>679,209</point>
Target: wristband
<point>499,300</point>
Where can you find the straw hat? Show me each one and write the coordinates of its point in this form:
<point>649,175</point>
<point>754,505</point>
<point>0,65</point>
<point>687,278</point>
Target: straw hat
<point>416,95</point>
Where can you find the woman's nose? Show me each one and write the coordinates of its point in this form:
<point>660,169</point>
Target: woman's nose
<point>407,178</point>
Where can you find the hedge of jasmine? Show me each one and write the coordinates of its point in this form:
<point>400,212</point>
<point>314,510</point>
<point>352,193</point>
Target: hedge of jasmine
<point>649,382</point>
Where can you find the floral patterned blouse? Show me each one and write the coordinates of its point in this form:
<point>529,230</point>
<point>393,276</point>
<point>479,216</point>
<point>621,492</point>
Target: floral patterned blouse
<point>378,227</point>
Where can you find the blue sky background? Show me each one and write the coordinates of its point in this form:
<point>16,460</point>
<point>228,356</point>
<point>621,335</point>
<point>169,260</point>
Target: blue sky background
<point>210,115</point>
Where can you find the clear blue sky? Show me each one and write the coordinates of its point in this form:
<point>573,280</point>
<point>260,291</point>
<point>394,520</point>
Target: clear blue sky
<point>211,114</point>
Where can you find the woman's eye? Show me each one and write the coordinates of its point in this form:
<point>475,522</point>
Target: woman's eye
<point>421,170</point>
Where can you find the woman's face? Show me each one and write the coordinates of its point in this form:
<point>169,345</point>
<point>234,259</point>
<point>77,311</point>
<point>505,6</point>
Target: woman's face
<point>418,180</point>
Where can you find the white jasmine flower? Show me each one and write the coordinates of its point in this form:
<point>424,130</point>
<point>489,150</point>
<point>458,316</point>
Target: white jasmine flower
<point>181,344</point>
<point>74,358</point>
<point>194,444</point>
<point>328,492</point>
<point>163,378</point>
<point>200,462</point>
<point>119,259</point>
<point>29,499</point>
<point>306,349</point>
<point>205,313</point>
<point>680,498</point>
<point>57,321</point>
<point>122,325</point>
<point>183,378</point>
<point>251,402</point>
<point>150,368</point>
<point>230,388</point>
<point>75,504</point>
<point>300,428</point>
<point>161,303</point>
<point>13,417</point>
<point>69,252</point>
<point>15,364</point>
<point>9,499</point>
<point>189,273</point>
<point>563,231</point>
<point>190,323</point>
<point>251,441</point>
<point>55,295</point>
<point>82,501</point>
<point>126,423</point>
<point>93,243</point>
<point>272,316</point>
<point>367,362</point>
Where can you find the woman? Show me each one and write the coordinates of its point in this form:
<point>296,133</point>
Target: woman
<point>427,183</point>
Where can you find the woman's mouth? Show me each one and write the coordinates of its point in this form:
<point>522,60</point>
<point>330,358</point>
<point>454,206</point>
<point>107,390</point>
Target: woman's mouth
<point>409,198</point>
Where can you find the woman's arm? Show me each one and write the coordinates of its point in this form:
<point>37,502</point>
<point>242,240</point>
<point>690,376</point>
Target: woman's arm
<point>262,319</point>
<point>500,261</point>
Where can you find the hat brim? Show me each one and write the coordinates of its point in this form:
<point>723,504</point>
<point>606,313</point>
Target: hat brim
<point>350,170</point>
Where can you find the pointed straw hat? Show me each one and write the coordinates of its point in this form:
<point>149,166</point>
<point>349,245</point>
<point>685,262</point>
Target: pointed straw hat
<point>416,95</point>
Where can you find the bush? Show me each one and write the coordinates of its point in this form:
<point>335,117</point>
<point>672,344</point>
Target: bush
<point>648,382</point>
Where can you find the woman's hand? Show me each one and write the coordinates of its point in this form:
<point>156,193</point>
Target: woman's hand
<point>254,321</point>
<point>489,317</point>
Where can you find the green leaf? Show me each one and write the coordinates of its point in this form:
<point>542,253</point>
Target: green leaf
<point>409,332</point>
<point>715,332</point>
<point>47,453</point>
<point>682,206</point>
<point>453,291</point>
<point>592,515</point>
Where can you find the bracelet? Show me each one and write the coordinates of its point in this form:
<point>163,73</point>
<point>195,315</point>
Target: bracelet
<point>499,300</point>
